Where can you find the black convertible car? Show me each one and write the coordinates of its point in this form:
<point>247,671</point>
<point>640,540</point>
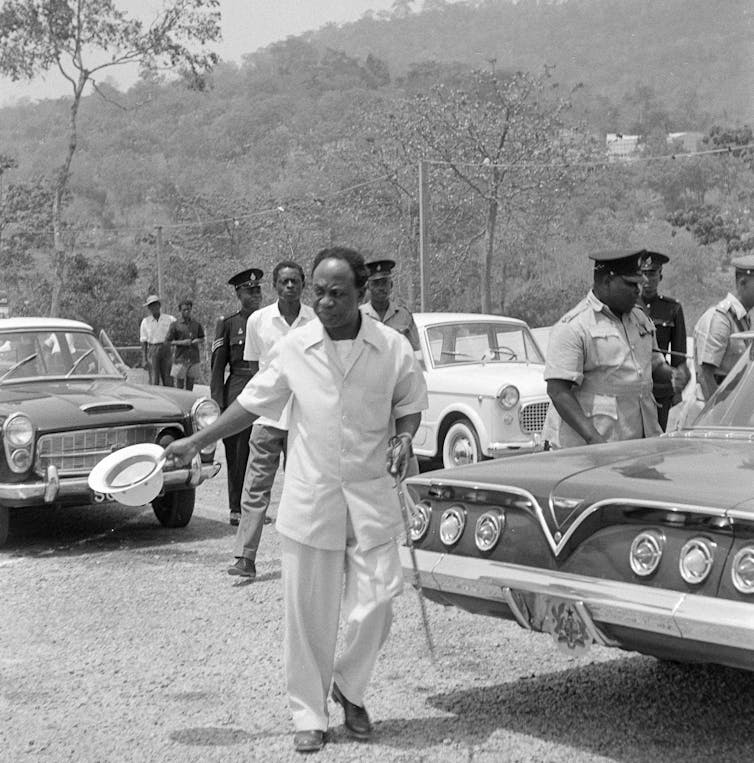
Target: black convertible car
<point>645,545</point>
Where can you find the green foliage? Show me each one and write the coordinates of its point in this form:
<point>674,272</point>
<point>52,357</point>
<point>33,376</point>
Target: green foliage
<point>316,140</point>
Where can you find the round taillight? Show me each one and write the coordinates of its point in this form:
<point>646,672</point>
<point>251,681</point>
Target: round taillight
<point>696,559</point>
<point>742,570</point>
<point>489,528</point>
<point>452,523</point>
<point>419,521</point>
<point>646,552</point>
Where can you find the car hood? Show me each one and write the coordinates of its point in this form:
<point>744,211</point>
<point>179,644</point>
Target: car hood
<point>707,472</point>
<point>56,405</point>
<point>488,378</point>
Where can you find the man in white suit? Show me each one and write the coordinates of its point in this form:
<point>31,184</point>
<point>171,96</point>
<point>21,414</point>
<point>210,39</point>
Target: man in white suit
<point>348,377</point>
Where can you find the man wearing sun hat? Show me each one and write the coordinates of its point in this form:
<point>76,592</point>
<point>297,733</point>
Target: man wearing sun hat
<point>670,328</point>
<point>382,308</point>
<point>227,352</point>
<point>715,350</point>
<point>153,332</point>
<point>601,361</point>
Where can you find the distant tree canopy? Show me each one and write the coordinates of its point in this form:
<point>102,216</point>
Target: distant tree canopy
<point>317,140</point>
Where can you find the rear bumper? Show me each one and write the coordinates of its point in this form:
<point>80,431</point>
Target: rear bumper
<point>54,488</point>
<point>525,591</point>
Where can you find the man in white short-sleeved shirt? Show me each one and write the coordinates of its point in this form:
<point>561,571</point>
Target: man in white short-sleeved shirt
<point>339,517</point>
<point>153,332</point>
<point>268,436</point>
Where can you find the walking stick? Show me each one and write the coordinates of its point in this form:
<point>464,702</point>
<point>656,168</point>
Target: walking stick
<point>414,565</point>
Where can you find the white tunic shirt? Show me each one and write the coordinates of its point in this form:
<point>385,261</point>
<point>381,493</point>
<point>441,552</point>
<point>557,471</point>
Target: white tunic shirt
<point>263,328</point>
<point>339,427</point>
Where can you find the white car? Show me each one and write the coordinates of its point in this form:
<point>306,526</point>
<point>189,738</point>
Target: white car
<point>487,394</point>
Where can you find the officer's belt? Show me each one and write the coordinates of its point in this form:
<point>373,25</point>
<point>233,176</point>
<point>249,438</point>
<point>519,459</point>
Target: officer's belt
<point>241,370</point>
<point>619,389</point>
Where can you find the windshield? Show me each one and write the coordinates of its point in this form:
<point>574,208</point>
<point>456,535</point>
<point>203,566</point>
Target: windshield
<point>44,354</point>
<point>491,342</point>
<point>732,405</point>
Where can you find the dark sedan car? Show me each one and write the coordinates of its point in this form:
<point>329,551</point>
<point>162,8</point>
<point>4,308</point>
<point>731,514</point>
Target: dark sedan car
<point>65,405</point>
<point>645,545</point>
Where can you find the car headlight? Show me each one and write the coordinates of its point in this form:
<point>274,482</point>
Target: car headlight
<point>695,561</point>
<point>646,552</point>
<point>419,521</point>
<point>204,412</point>
<point>742,570</point>
<point>489,528</point>
<point>452,522</point>
<point>18,431</point>
<point>508,397</point>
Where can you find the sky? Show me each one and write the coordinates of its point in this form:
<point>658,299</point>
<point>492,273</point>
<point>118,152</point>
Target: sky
<point>247,25</point>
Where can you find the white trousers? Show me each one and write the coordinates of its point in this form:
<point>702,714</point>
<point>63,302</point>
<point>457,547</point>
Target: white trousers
<point>312,588</point>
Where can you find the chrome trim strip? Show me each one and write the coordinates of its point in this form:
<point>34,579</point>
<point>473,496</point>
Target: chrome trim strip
<point>55,487</point>
<point>556,546</point>
<point>518,611</point>
<point>643,608</point>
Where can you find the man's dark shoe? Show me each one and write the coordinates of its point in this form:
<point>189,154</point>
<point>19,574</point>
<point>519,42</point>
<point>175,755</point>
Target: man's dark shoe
<point>243,567</point>
<point>357,718</point>
<point>235,518</point>
<point>309,741</point>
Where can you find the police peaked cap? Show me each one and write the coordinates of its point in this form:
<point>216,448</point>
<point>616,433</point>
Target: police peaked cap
<point>744,265</point>
<point>246,278</point>
<point>620,262</point>
<point>380,268</point>
<point>653,260</point>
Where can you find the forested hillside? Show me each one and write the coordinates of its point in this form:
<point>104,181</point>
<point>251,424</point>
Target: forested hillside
<point>317,140</point>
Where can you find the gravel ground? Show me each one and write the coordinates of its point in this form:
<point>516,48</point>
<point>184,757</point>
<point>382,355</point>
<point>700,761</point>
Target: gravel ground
<point>121,640</point>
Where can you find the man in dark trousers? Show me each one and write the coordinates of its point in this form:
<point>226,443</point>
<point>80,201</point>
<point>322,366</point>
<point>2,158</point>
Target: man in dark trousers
<point>670,329</point>
<point>268,436</point>
<point>227,350</point>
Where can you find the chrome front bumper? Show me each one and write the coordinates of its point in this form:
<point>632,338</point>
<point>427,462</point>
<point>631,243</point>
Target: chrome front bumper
<point>641,608</point>
<point>54,488</point>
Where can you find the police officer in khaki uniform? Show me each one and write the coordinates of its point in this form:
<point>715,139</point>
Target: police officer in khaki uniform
<point>227,350</point>
<point>381,308</point>
<point>670,328</point>
<point>715,351</point>
<point>601,361</point>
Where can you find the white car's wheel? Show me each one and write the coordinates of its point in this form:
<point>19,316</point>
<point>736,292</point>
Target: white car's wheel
<point>461,445</point>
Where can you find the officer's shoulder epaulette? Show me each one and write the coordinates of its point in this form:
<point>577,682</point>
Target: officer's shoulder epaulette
<point>574,312</point>
<point>642,317</point>
<point>665,298</point>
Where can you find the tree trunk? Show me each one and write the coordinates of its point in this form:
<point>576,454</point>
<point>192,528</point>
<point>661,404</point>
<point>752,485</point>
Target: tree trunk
<point>489,249</point>
<point>60,257</point>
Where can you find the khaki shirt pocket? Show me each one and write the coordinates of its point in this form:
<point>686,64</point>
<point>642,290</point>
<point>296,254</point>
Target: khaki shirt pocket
<point>607,346</point>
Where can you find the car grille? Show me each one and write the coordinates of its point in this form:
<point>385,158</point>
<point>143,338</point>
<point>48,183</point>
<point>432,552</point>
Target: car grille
<point>76,453</point>
<point>532,417</point>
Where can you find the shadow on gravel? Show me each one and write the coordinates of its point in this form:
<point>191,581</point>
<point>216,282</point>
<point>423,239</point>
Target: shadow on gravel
<point>71,531</point>
<point>632,709</point>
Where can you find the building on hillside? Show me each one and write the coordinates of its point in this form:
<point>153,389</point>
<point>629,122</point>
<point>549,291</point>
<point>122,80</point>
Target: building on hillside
<point>621,147</point>
<point>689,141</point>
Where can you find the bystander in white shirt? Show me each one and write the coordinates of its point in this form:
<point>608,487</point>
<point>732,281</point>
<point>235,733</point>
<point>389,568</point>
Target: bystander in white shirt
<point>263,328</point>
